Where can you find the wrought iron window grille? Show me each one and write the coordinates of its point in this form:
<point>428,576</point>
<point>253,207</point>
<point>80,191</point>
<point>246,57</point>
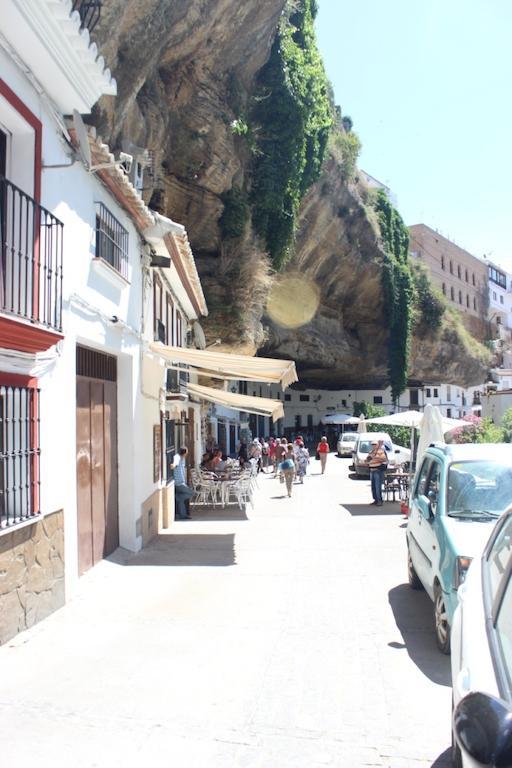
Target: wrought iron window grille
<point>19,455</point>
<point>111,240</point>
<point>31,257</point>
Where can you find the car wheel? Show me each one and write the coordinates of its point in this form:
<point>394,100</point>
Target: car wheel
<point>456,753</point>
<point>414,579</point>
<point>442,626</point>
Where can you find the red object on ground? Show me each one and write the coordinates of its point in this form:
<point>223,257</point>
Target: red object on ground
<point>404,508</point>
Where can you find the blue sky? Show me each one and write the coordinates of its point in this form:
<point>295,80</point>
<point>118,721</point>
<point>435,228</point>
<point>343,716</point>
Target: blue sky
<point>428,84</point>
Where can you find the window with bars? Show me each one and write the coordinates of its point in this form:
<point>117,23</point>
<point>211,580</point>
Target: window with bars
<point>111,240</point>
<point>19,455</point>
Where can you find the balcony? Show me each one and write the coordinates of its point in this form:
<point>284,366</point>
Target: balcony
<point>90,12</point>
<point>30,259</point>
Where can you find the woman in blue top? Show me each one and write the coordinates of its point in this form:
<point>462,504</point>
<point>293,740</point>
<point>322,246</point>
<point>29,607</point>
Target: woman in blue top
<point>287,468</point>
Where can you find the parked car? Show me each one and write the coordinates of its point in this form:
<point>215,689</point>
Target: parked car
<point>346,443</point>
<point>458,494</point>
<point>482,654</point>
<point>396,453</point>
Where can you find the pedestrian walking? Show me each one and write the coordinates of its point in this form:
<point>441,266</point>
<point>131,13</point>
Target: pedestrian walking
<point>302,460</point>
<point>255,452</point>
<point>323,449</point>
<point>281,449</point>
<point>182,492</point>
<point>265,454</point>
<point>287,468</point>
<point>272,448</point>
<point>378,462</point>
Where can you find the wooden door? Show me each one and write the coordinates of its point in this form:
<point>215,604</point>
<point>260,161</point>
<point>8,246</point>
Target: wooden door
<point>97,488</point>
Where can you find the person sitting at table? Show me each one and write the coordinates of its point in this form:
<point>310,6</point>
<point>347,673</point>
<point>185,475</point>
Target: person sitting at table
<point>216,460</point>
<point>205,461</point>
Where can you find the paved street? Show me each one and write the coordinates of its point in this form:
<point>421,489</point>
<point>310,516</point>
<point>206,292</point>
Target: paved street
<point>287,638</point>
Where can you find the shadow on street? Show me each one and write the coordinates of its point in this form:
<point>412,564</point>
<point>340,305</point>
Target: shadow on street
<point>232,512</point>
<point>173,549</point>
<point>414,617</point>
<point>358,510</point>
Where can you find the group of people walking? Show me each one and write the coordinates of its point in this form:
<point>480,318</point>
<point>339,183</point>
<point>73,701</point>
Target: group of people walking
<point>286,460</point>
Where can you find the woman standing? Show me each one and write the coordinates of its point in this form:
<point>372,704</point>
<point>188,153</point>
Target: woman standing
<point>302,459</point>
<point>323,449</point>
<point>287,468</point>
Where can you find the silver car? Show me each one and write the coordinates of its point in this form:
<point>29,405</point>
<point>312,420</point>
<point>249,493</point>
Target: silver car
<point>482,657</point>
<point>346,443</point>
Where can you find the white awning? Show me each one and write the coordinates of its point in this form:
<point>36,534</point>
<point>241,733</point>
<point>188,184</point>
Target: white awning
<point>263,406</point>
<point>228,366</point>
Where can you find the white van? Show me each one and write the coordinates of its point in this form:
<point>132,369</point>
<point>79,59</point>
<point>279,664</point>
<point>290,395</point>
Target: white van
<point>396,454</point>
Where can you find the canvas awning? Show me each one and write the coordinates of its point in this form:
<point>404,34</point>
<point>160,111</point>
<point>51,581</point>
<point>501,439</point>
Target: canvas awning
<point>227,366</point>
<point>263,406</point>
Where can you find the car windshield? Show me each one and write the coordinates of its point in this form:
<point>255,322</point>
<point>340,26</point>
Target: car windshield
<point>347,439</point>
<point>365,446</point>
<point>479,488</point>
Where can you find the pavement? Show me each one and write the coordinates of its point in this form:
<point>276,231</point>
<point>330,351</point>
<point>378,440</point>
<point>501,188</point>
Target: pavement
<point>283,636</point>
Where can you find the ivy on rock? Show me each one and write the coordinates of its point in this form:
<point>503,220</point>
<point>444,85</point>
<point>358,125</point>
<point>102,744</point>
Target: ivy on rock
<point>398,291</point>
<point>294,116</point>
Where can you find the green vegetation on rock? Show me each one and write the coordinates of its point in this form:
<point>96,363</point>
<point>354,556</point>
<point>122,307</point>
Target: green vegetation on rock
<point>429,304</point>
<point>398,291</point>
<point>236,213</point>
<point>294,116</point>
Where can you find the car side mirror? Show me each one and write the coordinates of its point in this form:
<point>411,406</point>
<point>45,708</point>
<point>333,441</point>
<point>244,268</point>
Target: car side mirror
<point>425,507</point>
<point>483,728</point>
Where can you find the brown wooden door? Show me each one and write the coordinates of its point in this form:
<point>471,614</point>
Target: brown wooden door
<point>97,489</point>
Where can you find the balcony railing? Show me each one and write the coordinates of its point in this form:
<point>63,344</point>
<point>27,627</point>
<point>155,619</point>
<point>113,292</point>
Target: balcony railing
<point>30,259</point>
<point>90,12</point>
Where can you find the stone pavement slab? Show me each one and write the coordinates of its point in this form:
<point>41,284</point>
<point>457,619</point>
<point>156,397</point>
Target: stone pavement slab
<point>285,636</point>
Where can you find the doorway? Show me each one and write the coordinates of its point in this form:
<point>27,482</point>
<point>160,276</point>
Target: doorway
<point>96,457</point>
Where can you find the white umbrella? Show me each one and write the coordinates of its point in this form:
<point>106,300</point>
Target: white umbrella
<point>403,419</point>
<point>431,431</point>
<point>340,418</point>
<point>361,427</point>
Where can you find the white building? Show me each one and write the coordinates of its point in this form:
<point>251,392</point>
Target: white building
<point>305,409</point>
<point>89,277</point>
<point>500,301</point>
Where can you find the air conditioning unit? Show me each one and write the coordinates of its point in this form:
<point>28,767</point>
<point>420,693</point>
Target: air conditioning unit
<point>172,385</point>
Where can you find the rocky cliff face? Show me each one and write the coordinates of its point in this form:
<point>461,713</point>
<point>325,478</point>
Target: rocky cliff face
<point>185,70</point>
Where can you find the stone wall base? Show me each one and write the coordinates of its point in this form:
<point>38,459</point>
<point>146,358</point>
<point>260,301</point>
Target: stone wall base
<point>157,513</point>
<point>31,574</point>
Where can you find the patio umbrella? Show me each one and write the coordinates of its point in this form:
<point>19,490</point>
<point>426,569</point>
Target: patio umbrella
<point>414,420</point>
<point>340,418</point>
<point>361,427</point>
<point>432,430</point>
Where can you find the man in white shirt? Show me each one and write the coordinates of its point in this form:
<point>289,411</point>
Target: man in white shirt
<point>182,492</point>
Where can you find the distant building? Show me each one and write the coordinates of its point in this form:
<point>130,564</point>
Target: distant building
<point>461,277</point>
<point>374,183</point>
<point>500,301</point>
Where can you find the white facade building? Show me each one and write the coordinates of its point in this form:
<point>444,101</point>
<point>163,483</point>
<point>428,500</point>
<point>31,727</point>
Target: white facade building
<point>500,301</point>
<point>89,277</point>
<point>305,409</point>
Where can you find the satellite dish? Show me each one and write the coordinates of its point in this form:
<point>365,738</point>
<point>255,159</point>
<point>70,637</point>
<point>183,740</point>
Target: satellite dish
<point>83,139</point>
<point>199,336</point>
